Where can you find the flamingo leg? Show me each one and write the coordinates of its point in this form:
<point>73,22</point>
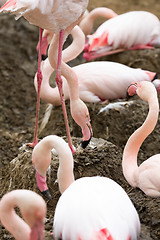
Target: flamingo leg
<point>39,81</point>
<point>60,88</point>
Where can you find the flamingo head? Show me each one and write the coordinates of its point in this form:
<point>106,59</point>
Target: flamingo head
<point>80,114</point>
<point>46,39</point>
<point>131,91</point>
<point>143,89</point>
<point>87,133</point>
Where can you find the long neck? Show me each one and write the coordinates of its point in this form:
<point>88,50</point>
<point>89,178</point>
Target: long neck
<point>66,71</point>
<point>65,171</point>
<point>76,47</point>
<point>87,23</point>
<point>13,223</point>
<point>129,162</point>
<point>47,93</point>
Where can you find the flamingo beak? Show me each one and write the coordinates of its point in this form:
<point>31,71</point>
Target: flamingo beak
<point>47,194</point>
<point>155,77</point>
<point>42,186</point>
<point>131,90</point>
<point>37,231</point>
<point>85,143</point>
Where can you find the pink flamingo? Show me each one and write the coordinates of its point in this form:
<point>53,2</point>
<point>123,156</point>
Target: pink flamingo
<point>82,119</point>
<point>98,208</point>
<point>33,210</point>
<point>86,24</point>
<point>57,16</point>
<point>98,81</point>
<point>79,110</point>
<point>146,176</point>
<point>127,31</point>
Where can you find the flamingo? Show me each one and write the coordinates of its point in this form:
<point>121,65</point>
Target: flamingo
<point>146,176</point>
<point>86,25</point>
<point>33,210</point>
<point>68,54</point>
<point>127,31</point>
<point>56,16</point>
<point>78,108</point>
<point>90,207</point>
<point>98,81</point>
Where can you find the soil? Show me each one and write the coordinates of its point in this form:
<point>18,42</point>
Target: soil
<point>18,64</point>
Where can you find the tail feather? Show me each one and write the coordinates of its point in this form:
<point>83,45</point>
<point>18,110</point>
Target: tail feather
<point>46,117</point>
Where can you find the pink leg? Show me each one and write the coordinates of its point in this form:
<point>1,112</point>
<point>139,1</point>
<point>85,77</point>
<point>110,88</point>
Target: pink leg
<point>39,81</point>
<point>141,46</point>
<point>59,84</point>
<point>92,55</point>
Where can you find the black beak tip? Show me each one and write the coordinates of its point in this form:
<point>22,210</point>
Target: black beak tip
<point>128,96</point>
<point>47,194</point>
<point>84,144</point>
<point>44,57</point>
<point>155,77</point>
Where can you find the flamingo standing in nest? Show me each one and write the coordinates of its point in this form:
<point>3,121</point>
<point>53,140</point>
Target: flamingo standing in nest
<point>33,210</point>
<point>127,31</point>
<point>90,207</point>
<point>56,16</point>
<point>146,176</point>
<point>47,94</point>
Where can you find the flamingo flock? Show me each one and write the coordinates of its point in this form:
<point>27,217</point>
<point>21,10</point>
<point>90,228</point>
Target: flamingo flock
<point>89,208</point>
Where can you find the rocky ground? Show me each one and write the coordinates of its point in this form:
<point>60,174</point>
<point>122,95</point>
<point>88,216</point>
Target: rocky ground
<point>18,64</point>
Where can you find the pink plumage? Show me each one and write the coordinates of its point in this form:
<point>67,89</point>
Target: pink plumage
<point>146,176</point>
<point>90,208</point>
<point>95,208</point>
<point>48,14</point>
<point>131,30</point>
<point>59,17</point>
<point>33,209</point>
<point>98,81</point>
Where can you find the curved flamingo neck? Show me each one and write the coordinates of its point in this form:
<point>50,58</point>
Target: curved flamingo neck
<point>66,71</point>
<point>14,224</point>
<point>48,93</point>
<point>65,171</point>
<point>87,22</point>
<point>129,162</point>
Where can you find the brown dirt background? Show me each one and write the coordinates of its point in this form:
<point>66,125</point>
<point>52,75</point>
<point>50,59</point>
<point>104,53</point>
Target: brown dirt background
<point>18,64</point>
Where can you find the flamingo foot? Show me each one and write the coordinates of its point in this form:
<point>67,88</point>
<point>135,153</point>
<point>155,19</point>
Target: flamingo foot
<point>33,144</point>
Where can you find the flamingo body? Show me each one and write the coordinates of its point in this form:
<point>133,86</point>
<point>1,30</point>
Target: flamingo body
<point>33,210</point>
<point>48,14</point>
<point>125,31</point>
<point>92,204</point>
<point>146,176</point>
<point>90,208</point>
<point>151,167</point>
<point>97,81</point>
